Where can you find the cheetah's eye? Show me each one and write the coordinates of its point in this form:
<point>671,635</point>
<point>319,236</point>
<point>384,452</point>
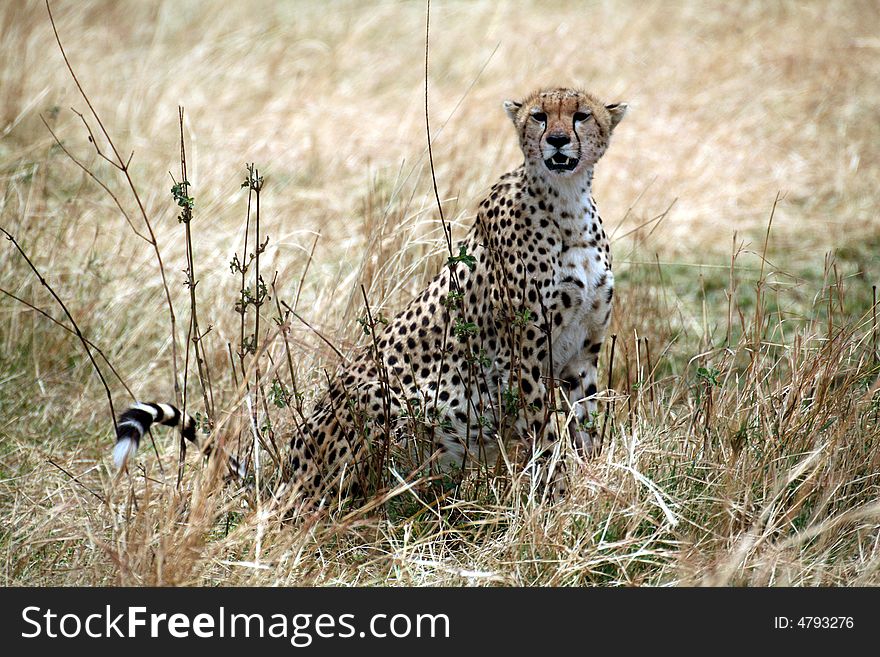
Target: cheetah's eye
<point>581,116</point>
<point>540,117</point>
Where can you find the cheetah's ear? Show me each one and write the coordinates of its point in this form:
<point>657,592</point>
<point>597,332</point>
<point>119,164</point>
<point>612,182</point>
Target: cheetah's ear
<point>617,112</point>
<point>512,108</point>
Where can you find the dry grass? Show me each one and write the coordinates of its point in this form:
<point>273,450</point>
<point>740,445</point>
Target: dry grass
<point>744,449</point>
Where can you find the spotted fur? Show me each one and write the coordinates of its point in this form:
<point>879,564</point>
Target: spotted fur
<point>471,355</point>
<point>526,298</point>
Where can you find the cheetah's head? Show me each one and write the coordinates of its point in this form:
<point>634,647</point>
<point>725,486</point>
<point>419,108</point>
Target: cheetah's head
<point>563,131</point>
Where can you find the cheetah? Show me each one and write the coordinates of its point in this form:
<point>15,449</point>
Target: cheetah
<point>521,308</point>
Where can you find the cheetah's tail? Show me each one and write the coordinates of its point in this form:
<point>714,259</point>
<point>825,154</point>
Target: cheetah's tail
<point>137,420</point>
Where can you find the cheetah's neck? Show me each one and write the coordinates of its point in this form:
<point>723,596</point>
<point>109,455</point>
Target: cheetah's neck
<point>572,198</point>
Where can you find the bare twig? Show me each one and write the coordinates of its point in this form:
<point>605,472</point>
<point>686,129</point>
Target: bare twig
<point>79,334</point>
<point>92,175</point>
<point>75,480</point>
<point>305,271</point>
<point>124,168</point>
<point>447,231</point>
<point>71,331</point>
<point>316,332</point>
<point>194,337</point>
<point>608,404</point>
<point>874,323</point>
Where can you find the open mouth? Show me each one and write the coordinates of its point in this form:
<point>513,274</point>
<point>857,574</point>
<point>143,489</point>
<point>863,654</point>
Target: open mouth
<point>561,162</point>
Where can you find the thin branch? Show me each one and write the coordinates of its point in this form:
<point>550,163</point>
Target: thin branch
<point>81,91</point>
<point>70,330</point>
<point>95,178</point>
<point>315,331</point>
<point>302,278</point>
<point>447,231</point>
<point>767,235</point>
<point>126,171</point>
<point>73,477</point>
<point>658,219</point>
<point>79,334</point>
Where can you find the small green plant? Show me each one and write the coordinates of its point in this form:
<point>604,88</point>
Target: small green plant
<point>439,419</point>
<point>468,260</point>
<point>180,191</point>
<point>279,395</point>
<point>589,423</point>
<point>203,422</point>
<point>368,326</point>
<point>253,180</point>
<point>512,400</point>
<point>523,318</point>
<point>480,359</point>
<point>452,299</point>
<point>249,344</point>
<point>463,329</point>
<point>248,298</point>
<point>709,376</point>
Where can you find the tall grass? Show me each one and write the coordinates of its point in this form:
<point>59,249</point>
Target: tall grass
<point>741,432</point>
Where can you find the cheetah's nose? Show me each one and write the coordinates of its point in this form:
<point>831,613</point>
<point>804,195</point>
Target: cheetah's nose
<point>558,140</point>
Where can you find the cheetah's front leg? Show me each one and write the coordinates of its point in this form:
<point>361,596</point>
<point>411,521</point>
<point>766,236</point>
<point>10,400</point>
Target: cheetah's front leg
<point>535,422</point>
<point>580,376</point>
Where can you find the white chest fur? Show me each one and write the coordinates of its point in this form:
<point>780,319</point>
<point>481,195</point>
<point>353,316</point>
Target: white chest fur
<point>585,285</point>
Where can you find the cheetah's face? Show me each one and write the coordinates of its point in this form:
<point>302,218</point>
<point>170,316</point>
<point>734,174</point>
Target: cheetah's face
<point>563,131</point>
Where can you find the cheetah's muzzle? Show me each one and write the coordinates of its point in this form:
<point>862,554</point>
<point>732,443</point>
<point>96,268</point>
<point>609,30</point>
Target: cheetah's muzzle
<point>561,162</point>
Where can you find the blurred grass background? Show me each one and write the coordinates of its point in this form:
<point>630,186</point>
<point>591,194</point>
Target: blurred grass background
<point>730,105</point>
